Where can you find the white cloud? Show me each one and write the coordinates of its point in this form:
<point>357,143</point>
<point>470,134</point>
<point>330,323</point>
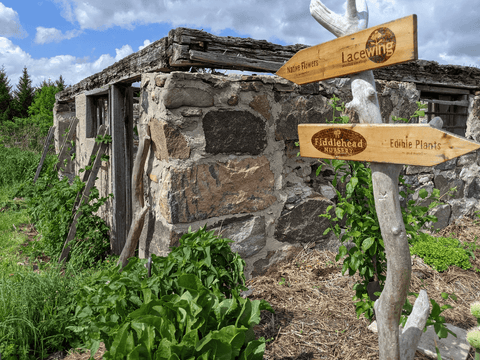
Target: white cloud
<point>48,35</point>
<point>10,23</point>
<point>145,44</point>
<point>72,69</point>
<point>125,50</point>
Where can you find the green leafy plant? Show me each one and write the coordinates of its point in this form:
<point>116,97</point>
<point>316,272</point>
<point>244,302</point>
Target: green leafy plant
<point>441,252</point>
<point>355,211</point>
<point>189,307</point>
<point>434,318</point>
<point>105,139</point>
<point>418,113</point>
<point>50,205</point>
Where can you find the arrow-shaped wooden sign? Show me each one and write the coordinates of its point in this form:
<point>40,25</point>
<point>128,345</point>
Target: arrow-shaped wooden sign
<point>383,45</point>
<point>412,144</point>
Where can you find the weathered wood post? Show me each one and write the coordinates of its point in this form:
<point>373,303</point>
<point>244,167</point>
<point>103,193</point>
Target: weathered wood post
<point>389,306</point>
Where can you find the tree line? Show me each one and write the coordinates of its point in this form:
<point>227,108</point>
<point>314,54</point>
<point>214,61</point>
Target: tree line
<point>27,104</point>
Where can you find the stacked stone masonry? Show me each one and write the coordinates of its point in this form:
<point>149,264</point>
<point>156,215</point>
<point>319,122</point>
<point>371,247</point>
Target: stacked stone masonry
<point>223,155</point>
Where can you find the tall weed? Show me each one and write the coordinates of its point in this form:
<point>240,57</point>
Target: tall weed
<point>17,165</point>
<point>35,310</point>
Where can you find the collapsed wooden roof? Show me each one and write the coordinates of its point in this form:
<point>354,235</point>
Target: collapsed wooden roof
<point>184,48</point>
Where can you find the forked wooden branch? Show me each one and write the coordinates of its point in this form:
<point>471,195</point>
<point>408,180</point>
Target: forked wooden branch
<point>385,187</point>
<point>139,209</point>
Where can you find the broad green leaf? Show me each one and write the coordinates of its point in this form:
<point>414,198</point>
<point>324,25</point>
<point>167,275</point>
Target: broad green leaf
<point>218,349</point>
<point>367,243</point>
<point>339,212</point>
<point>423,193</point>
<point>440,330</point>
<point>435,309</point>
<point>254,350</point>
<point>119,345</point>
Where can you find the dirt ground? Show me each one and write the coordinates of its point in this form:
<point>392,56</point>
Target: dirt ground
<point>314,313</point>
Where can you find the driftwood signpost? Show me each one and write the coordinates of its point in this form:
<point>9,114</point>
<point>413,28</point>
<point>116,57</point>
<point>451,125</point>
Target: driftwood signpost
<point>387,146</point>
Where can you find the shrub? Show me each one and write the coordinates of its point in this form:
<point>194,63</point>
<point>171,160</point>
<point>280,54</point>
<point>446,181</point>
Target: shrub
<point>441,252</point>
<point>189,308</point>
<point>50,204</point>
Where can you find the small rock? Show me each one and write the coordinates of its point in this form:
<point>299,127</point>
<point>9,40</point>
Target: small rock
<point>233,100</point>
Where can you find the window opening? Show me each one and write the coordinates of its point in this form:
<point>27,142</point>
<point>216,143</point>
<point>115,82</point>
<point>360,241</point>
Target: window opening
<point>97,113</point>
<point>451,104</point>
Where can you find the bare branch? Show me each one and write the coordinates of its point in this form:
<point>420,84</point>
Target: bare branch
<point>355,18</point>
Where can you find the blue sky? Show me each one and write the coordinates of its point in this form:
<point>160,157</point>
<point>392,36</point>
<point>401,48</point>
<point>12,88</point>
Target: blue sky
<point>77,38</point>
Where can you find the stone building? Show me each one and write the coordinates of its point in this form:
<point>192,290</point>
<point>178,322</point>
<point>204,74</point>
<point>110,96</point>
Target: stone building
<point>223,150</point>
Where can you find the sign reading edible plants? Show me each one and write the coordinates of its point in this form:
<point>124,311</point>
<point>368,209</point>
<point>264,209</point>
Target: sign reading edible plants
<point>383,45</point>
<point>412,144</point>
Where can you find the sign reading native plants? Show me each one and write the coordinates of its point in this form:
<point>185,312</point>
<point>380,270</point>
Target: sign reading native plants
<point>412,144</point>
<point>383,45</point>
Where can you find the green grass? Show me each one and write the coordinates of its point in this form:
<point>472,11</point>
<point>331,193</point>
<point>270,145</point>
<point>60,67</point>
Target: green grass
<point>35,309</point>
<point>14,213</point>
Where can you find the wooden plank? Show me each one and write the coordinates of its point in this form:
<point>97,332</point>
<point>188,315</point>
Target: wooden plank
<point>128,114</point>
<point>463,103</point>
<point>103,90</point>
<point>86,174</point>
<point>417,144</point>
<point>84,198</point>
<point>183,40</point>
<point>150,59</point>
<point>71,131</point>
<point>383,45</point>
<point>442,90</point>
<point>117,126</point>
<point>48,140</point>
<point>236,62</point>
<point>436,113</point>
<point>431,73</point>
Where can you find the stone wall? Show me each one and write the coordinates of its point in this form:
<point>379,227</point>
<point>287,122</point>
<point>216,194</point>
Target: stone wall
<point>223,155</point>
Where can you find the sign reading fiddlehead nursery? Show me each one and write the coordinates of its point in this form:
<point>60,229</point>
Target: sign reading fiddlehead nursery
<point>412,144</point>
<point>383,45</point>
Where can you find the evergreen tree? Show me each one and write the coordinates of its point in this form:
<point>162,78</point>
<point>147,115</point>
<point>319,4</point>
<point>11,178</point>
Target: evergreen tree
<point>60,83</point>
<point>23,95</point>
<point>5,96</point>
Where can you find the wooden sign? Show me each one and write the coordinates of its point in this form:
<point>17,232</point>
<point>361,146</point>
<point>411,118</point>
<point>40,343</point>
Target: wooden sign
<point>383,45</point>
<point>409,144</point>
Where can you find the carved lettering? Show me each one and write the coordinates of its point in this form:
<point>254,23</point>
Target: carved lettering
<point>419,144</point>
<point>339,142</point>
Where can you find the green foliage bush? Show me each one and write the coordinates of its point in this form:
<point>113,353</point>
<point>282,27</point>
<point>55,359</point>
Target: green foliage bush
<point>50,204</point>
<point>41,110</point>
<point>441,252</point>
<point>23,133</point>
<point>189,309</point>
